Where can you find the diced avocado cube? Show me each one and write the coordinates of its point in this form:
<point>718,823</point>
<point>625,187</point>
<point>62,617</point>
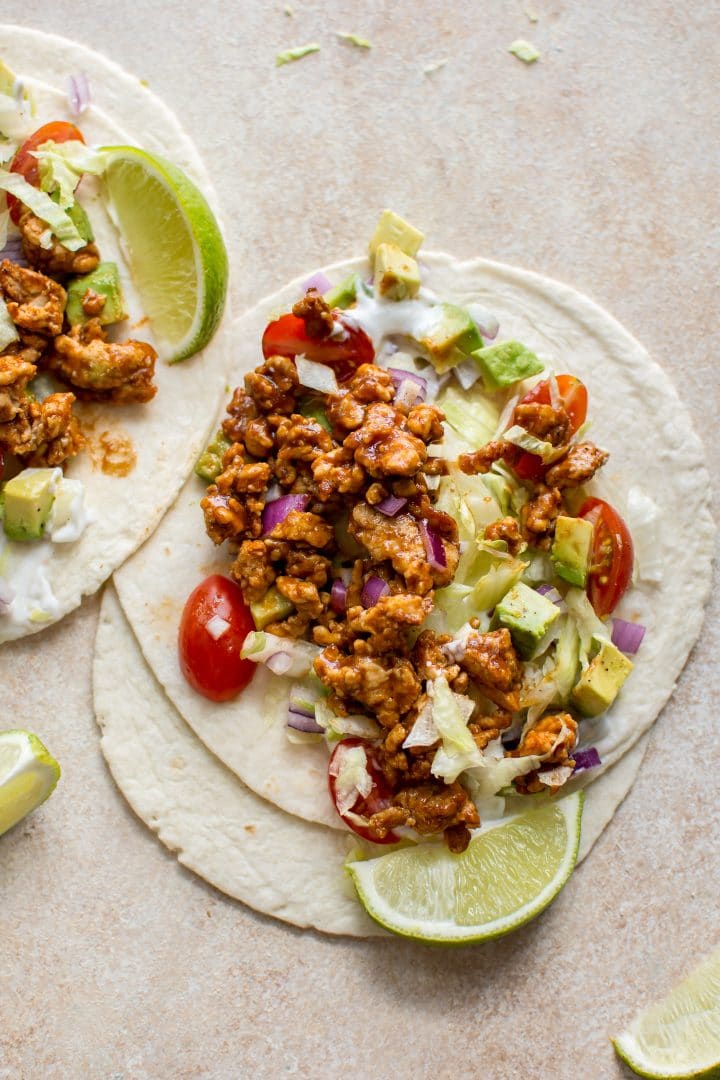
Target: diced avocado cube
<point>397,275</point>
<point>392,229</point>
<point>506,363</point>
<point>28,499</point>
<point>271,608</point>
<point>602,679</point>
<point>105,281</point>
<point>209,464</point>
<point>571,549</point>
<point>344,294</point>
<point>528,615</point>
<point>314,408</point>
<point>453,337</point>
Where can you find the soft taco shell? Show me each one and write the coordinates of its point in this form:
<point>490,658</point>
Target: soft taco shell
<point>217,827</point>
<point>636,414</point>
<point>154,445</point>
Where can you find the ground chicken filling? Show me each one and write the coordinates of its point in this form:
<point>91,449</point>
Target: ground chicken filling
<point>376,658</point>
<point>46,432</point>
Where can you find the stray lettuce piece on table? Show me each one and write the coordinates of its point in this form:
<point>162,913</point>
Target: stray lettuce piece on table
<point>288,55</point>
<point>524,50</point>
<point>355,39</point>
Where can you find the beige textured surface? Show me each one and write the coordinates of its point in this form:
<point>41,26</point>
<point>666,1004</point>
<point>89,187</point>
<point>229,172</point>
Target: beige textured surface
<point>597,166</point>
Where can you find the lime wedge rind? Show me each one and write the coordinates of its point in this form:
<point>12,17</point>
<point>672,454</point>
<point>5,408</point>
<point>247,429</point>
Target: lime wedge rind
<point>446,930</point>
<point>679,1036</point>
<point>185,313</point>
<point>28,776</point>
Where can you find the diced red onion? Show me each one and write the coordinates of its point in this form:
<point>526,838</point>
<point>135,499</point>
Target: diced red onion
<point>467,373</point>
<point>374,588</point>
<point>586,759</point>
<point>316,376</point>
<point>399,376</point>
<point>551,593</point>
<point>627,636</point>
<point>280,663</point>
<point>217,627</point>
<point>78,93</point>
<point>345,573</point>
<point>13,250</point>
<point>391,506</point>
<point>338,596</point>
<point>317,281</point>
<point>406,394</point>
<point>297,696</point>
<point>485,321</point>
<point>276,511</point>
<point>434,547</point>
<point>300,721</point>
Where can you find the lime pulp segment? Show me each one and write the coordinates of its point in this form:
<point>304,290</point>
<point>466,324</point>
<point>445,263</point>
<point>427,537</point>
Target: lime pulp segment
<point>173,242</point>
<point>28,775</point>
<point>507,875</point>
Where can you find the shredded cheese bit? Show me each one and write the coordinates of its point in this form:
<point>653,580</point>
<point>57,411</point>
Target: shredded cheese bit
<point>216,627</point>
<point>289,55</point>
<point>524,50</point>
<point>355,39</point>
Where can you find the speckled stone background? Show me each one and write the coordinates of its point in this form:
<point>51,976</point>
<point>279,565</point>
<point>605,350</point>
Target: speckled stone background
<point>598,165</point>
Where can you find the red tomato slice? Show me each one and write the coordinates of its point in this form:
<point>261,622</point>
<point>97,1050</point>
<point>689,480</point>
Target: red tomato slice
<point>287,336</point>
<point>379,798</point>
<point>58,131</point>
<point>211,665</point>
<point>573,396</point>
<point>612,556</point>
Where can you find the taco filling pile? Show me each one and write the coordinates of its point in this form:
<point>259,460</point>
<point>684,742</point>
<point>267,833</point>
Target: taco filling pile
<point>412,547</point>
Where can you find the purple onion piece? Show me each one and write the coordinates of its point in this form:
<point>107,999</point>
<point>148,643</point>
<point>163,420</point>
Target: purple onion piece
<point>552,594</point>
<point>13,250</point>
<point>338,596</point>
<point>485,321</point>
<point>434,547</point>
<point>279,663</point>
<point>276,511</point>
<point>406,394</point>
<point>586,759</point>
<point>374,588</point>
<point>78,93</point>
<point>300,722</point>
<point>391,506</point>
<point>467,373</point>
<point>317,281</point>
<point>399,376</point>
<point>627,636</point>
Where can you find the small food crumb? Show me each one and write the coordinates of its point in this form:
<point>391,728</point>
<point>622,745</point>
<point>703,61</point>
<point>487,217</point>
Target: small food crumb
<point>289,10</point>
<point>289,55</point>
<point>524,50</point>
<point>430,68</point>
<point>531,14</point>
<point>355,39</point>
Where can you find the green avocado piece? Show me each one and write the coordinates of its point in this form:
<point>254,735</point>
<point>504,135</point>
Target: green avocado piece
<point>209,464</point>
<point>397,275</point>
<point>28,499</point>
<point>105,281</point>
<point>314,408</point>
<point>454,337</point>
<point>602,679</point>
<point>528,615</point>
<point>344,294</point>
<point>571,549</point>
<point>392,229</point>
<point>271,608</point>
<point>506,363</point>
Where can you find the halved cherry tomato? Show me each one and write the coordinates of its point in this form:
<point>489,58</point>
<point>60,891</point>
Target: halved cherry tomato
<point>58,131</point>
<point>287,336</point>
<point>573,397</point>
<point>212,665</point>
<point>379,798</point>
<point>612,557</point>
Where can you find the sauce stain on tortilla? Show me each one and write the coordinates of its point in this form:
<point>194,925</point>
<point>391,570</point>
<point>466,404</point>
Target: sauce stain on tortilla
<point>113,453</point>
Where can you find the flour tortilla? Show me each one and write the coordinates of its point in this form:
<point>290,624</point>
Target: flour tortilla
<point>168,433</point>
<point>636,414</point>
<point>217,827</point>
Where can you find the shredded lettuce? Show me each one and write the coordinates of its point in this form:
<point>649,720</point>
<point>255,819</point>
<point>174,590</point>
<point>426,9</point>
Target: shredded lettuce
<point>43,207</point>
<point>288,55</point>
<point>352,779</point>
<point>261,647</point>
<point>458,751</point>
<point>339,727</point>
<point>470,414</point>
<point>61,167</point>
<point>492,571</point>
<point>518,436</point>
<point>587,623</point>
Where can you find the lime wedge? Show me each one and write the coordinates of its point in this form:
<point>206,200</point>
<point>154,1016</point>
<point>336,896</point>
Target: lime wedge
<point>679,1036</point>
<point>173,242</point>
<point>28,775</point>
<point>508,874</point>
